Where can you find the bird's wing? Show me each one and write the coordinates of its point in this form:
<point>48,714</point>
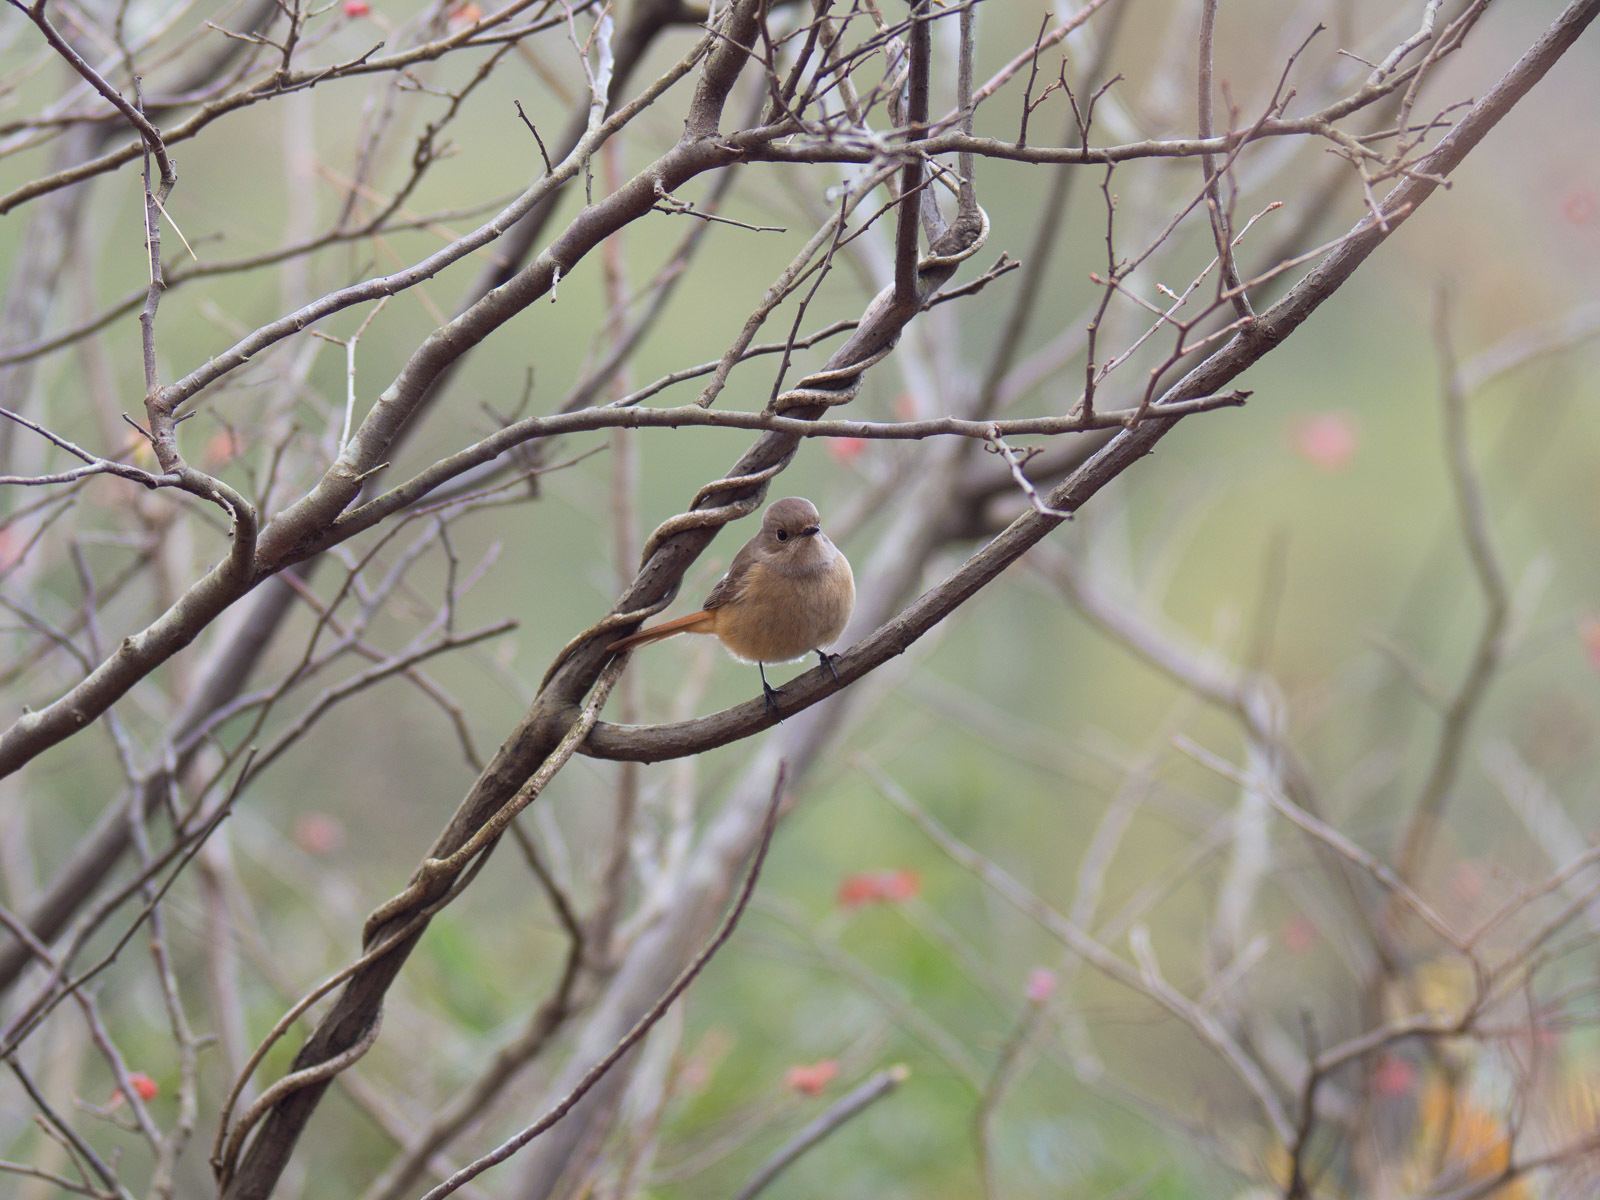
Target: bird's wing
<point>733,583</point>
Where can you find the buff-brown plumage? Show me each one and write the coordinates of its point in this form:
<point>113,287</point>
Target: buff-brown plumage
<point>788,592</point>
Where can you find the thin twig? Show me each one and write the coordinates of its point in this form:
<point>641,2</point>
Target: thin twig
<point>838,1114</point>
<point>1471,511</point>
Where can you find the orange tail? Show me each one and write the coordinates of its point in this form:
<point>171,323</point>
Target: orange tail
<point>704,621</point>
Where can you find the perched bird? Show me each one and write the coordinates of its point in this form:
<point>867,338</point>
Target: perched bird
<point>787,594</point>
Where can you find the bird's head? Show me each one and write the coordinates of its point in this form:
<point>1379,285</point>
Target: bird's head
<point>791,529</point>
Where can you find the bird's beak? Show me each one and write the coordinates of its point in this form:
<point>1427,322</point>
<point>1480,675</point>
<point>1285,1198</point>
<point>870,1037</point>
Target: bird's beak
<point>811,531</point>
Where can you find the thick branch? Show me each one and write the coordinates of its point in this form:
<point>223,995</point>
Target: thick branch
<point>548,722</point>
<point>653,743</point>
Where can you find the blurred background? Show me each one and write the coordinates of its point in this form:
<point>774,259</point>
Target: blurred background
<point>1309,547</point>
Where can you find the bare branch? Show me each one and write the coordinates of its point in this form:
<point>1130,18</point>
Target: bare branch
<point>839,1113</point>
<point>645,1023</point>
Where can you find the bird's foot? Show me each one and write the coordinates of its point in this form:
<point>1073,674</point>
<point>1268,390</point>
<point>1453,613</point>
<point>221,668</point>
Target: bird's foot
<point>827,660</point>
<point>770,694</point>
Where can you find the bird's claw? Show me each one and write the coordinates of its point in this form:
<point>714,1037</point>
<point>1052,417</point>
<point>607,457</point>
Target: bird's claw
<point>827,660</point>
<point>770,695</point>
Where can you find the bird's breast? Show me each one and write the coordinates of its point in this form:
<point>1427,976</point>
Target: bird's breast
<point>782,615</point>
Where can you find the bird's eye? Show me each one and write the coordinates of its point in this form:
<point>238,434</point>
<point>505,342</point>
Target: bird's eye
<point>783,535</point>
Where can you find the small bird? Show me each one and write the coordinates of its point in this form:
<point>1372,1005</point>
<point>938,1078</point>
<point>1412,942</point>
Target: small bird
<point>788,593</point>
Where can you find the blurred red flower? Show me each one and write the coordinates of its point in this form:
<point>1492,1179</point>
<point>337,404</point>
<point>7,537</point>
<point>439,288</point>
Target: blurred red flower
<point>318,833</point>
<point>1042,983</point>
<point>357,8</point>
<point>1466,882</point>
<point>846,449</point>
<point>810,1080</point>
<point>1589,631</point>
<point>901,885</point>
<point>1580,205</point>
<point>856,890</point>
<point>878,887</point>
<point>1298,934</point>
<point>1327,441</point>
<point>1393,1076</point>
<point>224,445</point>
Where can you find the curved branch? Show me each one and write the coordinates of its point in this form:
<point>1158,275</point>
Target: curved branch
<point>653,743</point>
<point>641,1027</point>
<point>554,713</point>
<point>1254,341</point>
